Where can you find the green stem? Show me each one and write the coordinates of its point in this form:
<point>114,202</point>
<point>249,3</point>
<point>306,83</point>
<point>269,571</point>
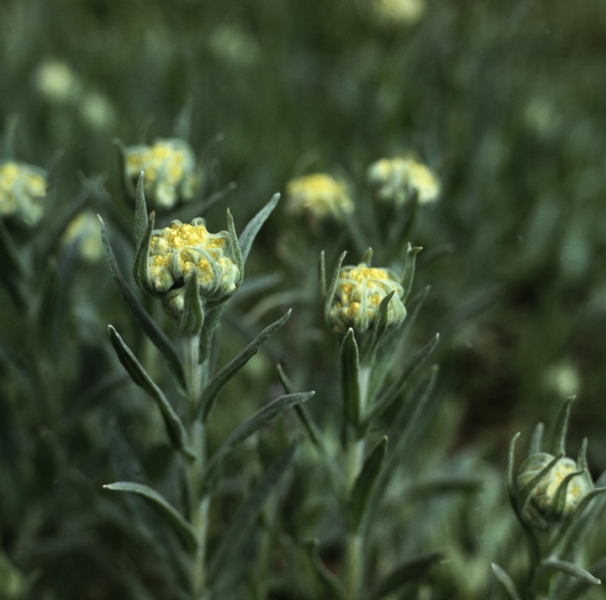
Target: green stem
<point>354,565</point>
<point>193,372</point>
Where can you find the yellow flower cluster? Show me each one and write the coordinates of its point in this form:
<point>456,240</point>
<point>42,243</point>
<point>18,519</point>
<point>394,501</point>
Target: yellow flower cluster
<point>398,12</point>
<point>542,500</point>
<point>319,196</point>
<point>358,296</point>
<point>181,250</point>
<point>22,189</point>
<point>170,171</point>
<point>397,179</point>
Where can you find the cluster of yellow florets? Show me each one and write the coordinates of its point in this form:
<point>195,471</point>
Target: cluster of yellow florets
<point>170,171</point>
<point>541,506</point>
<point>398,179</point>
<point>319,196</point>
<point>398,11</point>
<point>22,190</point>
<point>181,250</point>
<point>360,291</point>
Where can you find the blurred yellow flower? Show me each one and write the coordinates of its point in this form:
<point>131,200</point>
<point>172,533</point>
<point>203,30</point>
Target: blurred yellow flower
<point>318,196</point>
<point>57,82</point>
<point>398,11</point>
<point>397,179</point>
<point>22,189</point>
<point>84,230</point>
<point>360,291</point>
<point>170,171</point>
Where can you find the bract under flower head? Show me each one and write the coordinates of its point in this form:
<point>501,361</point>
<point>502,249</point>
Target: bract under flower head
<point>170,171</point>
<point>22,191</point>
<point>542,507</point>
<point>319,196</point>
<point>183,249</point>
<point>397,179</point>
<point>358,296</point>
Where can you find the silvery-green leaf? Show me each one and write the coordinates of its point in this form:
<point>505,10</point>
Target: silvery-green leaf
<point>408,274</point>
<point>505,580</point>
<point>192,318</point>
<point>570,569</point>
<point>379,328</point>
<point>247,514</point>
<point>511,482</point>
<point>214,386</point>
<point>363,486</point>
<point>141,218</point>
<point>180,526</point>
<point>328,578</point>
<point>407,572</point>
<point>558,444</point>
<point>263,416</point>
<point>234,245</point>
<point>349,380</point>
<point>536,440</point>
<point>250,231</point>
<point>141,273</point>
<point>394,391</point>
<point>174,426</point>
<point>332,288</point>
<point>153,332</point>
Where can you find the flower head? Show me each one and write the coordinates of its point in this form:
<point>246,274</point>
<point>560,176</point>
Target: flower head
<point>543,506</point>
<point>184,250</point>
<point>57,82</point>
<point>397,179</point>
<point>359,293</point>
<point>22,191</point>
<point>319,196</point>
<point>170,171</point>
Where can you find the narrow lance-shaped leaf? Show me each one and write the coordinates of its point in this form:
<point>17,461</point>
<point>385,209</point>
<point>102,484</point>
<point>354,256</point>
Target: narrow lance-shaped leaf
<point>505,580</point>
<point>402,431</point>
<point>322,274</point>
<point>379,329</point>
<point>214,386</point>
<point>409,571</point>
<point>332,288</point>
<point>250,231</point>
<point>180,526</point>
<point>174,426</point>
<point>349,379</point>
<point>409,270</point>
<point>192,318</point>
<point>153,332</point>
<point>247,514</point>
<point>141,218</point>
<point>337,590</point>
<point>235,247</point>
<point>511,483</point>
<point>570,569</point>
<point>141,273</point>
<point>365,482</point>
<point>558,445</point>
<point>536,440</point>
<point>394,391</point>
<point>259,419</point>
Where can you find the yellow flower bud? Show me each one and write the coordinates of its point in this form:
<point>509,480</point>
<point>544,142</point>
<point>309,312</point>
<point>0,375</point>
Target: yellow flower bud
<point>170,171</point>
<point>541,507</point>
<point>318,196</point>
<point>358,296</point>
<point>22,190</point>
<point>184,249</point>
<point>397,179</point>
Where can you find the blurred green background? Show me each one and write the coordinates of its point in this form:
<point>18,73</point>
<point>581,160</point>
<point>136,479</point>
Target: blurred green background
<point>504,100</point>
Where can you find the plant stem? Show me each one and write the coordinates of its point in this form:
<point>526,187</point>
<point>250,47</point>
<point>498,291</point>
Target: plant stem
<point>194,380</point>
<point>353,565</point>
